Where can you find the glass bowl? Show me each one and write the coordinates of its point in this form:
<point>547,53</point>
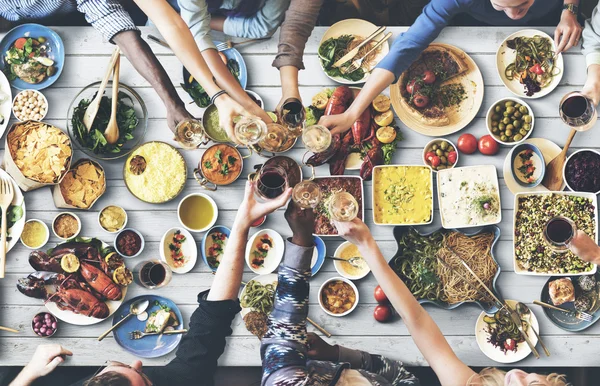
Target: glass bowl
<point>141,112</point>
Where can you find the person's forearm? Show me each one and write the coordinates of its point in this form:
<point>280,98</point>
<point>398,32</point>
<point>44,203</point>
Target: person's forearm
<point>216,23</point>
<point>379,80</point>
<point>289,81</point>
<point>24,378</point>
<point>591,87</point>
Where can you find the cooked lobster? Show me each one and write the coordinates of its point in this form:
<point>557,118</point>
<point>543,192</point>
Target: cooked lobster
<point>337,164</point>
<point>100,282</point>
<point>362,128</point>
<point>340,100</point>
<point>373,158</point>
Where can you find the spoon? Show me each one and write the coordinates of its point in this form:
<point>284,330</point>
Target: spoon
<point>523,310</point>
<point>136,308</point>
<point>353,261</point>
<point>112,130</point>
<point>92,109</point>
<point>553,176</point>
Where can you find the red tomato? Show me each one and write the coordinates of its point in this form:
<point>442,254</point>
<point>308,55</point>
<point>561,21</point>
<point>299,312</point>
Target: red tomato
<point>435,161</point>
<point>380,296</point>
<point>428,77</point>
<point>20,43</point>
<point>452,157</point>
<point>536,69</point>
<point>383,313</point>
<point>420,100</point>
<point>413,86</point>
<point>488,146</point>
<point>429,155</point>
<point>467,143</point>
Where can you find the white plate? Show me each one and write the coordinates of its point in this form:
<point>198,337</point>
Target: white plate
<point>82,320</point>
<point>494,353</point>
<point>354,161</point>
<point>505,56</point>
<point>188,248</point>
<point>274,255</point>
<point>518,269</point>
<point>271,278</point>
<point>6,106</point>
<point>549,150</point>
<point>360,28</point>
<point>15,232</point>
<point>338,264</point>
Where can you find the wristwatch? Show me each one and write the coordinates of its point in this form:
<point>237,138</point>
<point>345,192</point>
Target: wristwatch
<point>573,8</point>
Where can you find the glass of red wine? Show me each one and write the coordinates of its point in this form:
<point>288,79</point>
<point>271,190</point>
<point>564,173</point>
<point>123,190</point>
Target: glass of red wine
<point>577,111</point>
<point>558,233</point>
<point>152,274</point>
<point>271,182</point>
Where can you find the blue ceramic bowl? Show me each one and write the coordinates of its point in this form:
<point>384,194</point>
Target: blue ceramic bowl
<point>541,164</point>
<point>216,228</point>
<point>57,52</point>
<point>320,247</point>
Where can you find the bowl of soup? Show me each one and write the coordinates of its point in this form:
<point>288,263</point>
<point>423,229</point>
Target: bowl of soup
<point>347,251</point>
<point>197,212</point>
<point>221,164</point>
<point>212,127</point>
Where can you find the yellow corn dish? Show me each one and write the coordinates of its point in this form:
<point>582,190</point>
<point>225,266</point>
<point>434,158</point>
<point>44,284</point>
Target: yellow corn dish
<point>402,195</point>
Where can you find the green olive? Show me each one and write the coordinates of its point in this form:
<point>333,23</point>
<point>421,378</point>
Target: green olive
<point>494,123</point>
<point>518,106</point>
<point>440,167</point>
<point>444,145</point>
<point>527,118</point>
<point>526,126</point>
<point>443,160</point>
<point>508,133</point>
<point>517,115</point>
<point>510,127</point>
<point>501,126</point>
<point>505,114</point>
<point>439,152</point>
<point>523,110</point>
<point>495,130</point>
<point>509,103</point>
<point>510,109</point>
<point>503,138</point>
<point>518,137</point>
<point>517,124</point>
<point>434,147</point>
<point>498,109</point>
<point>41,39</point>
<point>495,117</point>
<point>523,132</point>
<point>506,120</point>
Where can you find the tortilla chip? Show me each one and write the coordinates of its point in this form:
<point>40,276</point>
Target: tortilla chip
<point>84,184</point>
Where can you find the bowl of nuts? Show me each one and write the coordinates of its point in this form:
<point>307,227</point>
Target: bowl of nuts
<point>510,121</point>
<point>440,154</point>
<point>30,105</point>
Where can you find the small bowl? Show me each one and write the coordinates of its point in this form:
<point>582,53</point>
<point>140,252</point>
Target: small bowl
<point>216,228</point>
<point>78,222</point>
<point>124,223</point>
<point>564,174</point>
<point>45,240</point>
<point>188,248</point>
<point>259,222</point>
<point>338,264</point>
<point>435,142</point>
<point>42,322</point>
<point>488,121</point>
<point>256,97</point>
<point>212,222</point>
<point>35,92</point>
<point>539,164</point>
<point>274,255</point>
<point>345,281</point>
<point>143,243</point>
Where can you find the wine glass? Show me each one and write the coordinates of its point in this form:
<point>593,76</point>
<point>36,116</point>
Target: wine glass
<point>190,134</point>
<point>316,138</point>
<point>152,274</point>
<point>271,182</point>
<point>343,207</point>
<point>250,130</point>
<point>275,138</point>
<point>578,111</point>
<point>307,194</point>
<point>558,233</point>
<point>293,116</point>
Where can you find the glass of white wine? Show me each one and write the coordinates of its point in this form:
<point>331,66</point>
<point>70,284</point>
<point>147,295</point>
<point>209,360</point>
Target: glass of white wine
<point>316,138</point>
<point>275,138</point>
<point>343,207</point>
<point>307,194</point>
<point>190,134</point>
<point>250,130</point>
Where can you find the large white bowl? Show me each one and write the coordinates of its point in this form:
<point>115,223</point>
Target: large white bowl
<point>345,281</point>
<point>215,210</point>
<point>338,264</point>
<point>274,255</point>
<point>189,249</point>
<point>488,121</point>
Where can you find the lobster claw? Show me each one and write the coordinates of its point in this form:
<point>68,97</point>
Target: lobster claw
<point>34,285</point>
<point>40,261</point>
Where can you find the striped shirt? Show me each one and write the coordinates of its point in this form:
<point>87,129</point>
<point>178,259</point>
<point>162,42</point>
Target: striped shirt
<point>107,16</point>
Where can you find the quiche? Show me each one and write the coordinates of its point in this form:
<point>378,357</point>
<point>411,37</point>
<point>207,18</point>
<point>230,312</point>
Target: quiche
<point>428,98</point>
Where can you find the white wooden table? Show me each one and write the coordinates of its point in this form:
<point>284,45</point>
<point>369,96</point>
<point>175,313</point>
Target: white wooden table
<point>87,56</point>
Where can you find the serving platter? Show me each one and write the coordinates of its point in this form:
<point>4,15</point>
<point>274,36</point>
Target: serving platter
<point>461,116</point>
<point>505,56</point>
<point>361,212</point>
<point>495,230</point>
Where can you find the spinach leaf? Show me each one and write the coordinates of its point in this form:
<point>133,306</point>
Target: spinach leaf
<point>196,91</point>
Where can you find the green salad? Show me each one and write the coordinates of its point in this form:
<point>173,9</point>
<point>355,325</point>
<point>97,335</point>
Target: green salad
<point>196,91</point>
<point>333,49</point>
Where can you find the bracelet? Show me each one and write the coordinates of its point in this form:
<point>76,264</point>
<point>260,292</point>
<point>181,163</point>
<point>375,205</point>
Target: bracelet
<point>216,95</point>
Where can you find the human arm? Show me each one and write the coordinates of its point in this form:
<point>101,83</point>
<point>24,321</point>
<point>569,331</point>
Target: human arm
<point>45,359</point>
<point>261,24</point>
<point>591,51</point>
<point>585,247</point>
<point>424,331</point>
<point>568,30</point>
<point>405,50</point>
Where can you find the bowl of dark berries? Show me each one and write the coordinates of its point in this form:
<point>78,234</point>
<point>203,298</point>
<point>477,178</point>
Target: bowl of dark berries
<point>44,324</point>
<point>582,171</point>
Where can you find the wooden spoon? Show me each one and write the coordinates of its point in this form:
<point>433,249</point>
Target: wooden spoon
<point>554,170</point>
<point>92,109</point>
<point>112,130</point>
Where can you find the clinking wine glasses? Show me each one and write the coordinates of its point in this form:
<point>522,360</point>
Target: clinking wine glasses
<point>317,138</point>
<point>190,134</point>
<point>250,130</point>
<point>307,194</point>
<point>293,116</point>
<point>343,207</point>
<point>271,182</point>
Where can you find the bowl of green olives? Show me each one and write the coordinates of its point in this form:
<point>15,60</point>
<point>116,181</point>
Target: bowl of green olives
<point>510,121</point>
<point>440,154</point>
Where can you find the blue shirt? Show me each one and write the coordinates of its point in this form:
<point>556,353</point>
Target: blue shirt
<point>438,13</point>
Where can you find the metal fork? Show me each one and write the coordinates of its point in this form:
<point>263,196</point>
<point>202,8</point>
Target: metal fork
<point>7,194</point>
<point>229,44</point>
<point>578,314</point>
<point>355,65</point>
<point>137,334</point>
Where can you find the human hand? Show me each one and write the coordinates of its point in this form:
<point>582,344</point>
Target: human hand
<point>177,114</point>
<point>228,111</point>
<point>337,124</point>
<point>568,32</point>
<point>301,222</point>
<point>355,231</point>
<point>585,247</point>
<point>591,88</point>
<point>288,93</point>
<point>251,210</point>
<point>45,359</point>
<point>320,350</point>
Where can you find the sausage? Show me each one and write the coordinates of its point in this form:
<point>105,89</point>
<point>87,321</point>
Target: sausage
<point>362,127</point>
<point>340,100</point>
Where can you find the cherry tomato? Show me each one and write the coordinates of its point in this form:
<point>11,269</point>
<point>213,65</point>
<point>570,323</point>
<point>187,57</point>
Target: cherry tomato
<point>428,77</point>
<point>536,69</point>
<point>428,156</point>
<point>488,146</point>
<point>383,313</point>
<point>20,43</point>
<point>435,161</point>
<point>413,86</point>
<point>421,100</point>
<point>467,143</point>
<point>380,296</point>
<point>452,157</point>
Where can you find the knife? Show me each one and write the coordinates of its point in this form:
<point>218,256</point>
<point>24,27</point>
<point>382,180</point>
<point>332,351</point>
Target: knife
<point>158,41</point>
<point>355,50</point>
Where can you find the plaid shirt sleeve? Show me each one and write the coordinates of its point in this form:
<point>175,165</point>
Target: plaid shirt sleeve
<point>106,16</point>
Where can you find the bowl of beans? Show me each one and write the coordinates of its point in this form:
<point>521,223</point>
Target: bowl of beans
<point>30,105</point>
<point>44,324</point>
<point>440,154</point>
<point>129,242</point>
<point>510,121</point>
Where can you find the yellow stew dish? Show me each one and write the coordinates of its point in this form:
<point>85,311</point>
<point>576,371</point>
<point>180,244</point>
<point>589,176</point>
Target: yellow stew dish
<point>402,195</point>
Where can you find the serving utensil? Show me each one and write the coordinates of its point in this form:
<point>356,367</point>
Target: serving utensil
<point>578,314</point>
<point>553,177</point>
<point>355,65</point>
<point>7,194</point>
<point>137,334</point>
<point>92,109</point>
<point>136,308</point>
<point>353,261</point>
<point>350,55</point>
<point>524,311</point>
<point>9,329</point>
<point>112,129</point>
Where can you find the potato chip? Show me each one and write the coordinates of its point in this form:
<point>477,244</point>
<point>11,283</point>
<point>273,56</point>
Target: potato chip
<point>83,184</point>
